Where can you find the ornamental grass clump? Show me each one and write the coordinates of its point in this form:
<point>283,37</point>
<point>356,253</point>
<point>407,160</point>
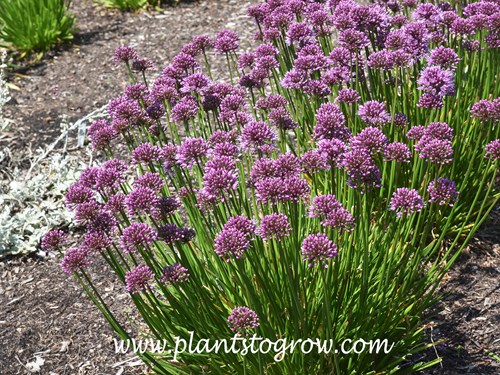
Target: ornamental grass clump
<point>322,194</point>
<point>35,25</point>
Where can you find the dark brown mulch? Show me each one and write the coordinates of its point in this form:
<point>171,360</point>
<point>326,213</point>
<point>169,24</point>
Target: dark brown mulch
<point>45,313</point>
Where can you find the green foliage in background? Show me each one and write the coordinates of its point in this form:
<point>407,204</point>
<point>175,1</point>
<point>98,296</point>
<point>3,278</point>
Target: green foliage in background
<point>34,25</point>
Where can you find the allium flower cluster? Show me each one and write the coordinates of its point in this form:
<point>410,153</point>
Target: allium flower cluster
<point>257,136</point>
<point>318,249</point>
<point>137,235</point>
<point>174,274</point>
<point>170,233</point>
<point>275,226</point>
<point>487,110</point>
<point>331,212</point>
<point>442,191</point>
<point>75,259</point>
<point>370,138</point>
<point>231,243</point>
<point>492,150</point>
<point>242,319</point>
<point>53,240</point>
<point>406,201</point>
<point>331,123</point>
<point>226,41</point>
<point>398,152</point>
<point>272,190</point>
<point>374,113</point>
<point>436,84</point>
<point>361,169</point>
<point>138,279</point>
<point>191,151</point>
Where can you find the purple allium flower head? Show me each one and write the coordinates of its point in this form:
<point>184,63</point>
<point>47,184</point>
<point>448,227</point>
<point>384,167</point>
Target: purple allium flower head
<point>75,259</point>
<point>439,130</point>
<point>287,165</point>
<point>353,40</point>
<point>108,179</point>
<point>330,123</point>
<point>195,82</point>
<point>444,57</point>
<point>136,91</point>
<point>331,212</point>
<point>262,168</point>
<point>299,32</point>
<point>185,109</point>
<point>203,42</point>
<point>398,20</point>
<point>333,149</point>
<point>266,50</point>
<point>374,113</point>
<point>462,26</point>
<point>183,62</point>
<point>116,203</point>
<point>280,17</point>
<point>102,222</point>
<point>426,12</point>
<point>318,249</point>
<point>442,191</point>
<point>415,38</point>
<point>96,241</point>
<point>150,180</point>
<point>124,54</point>
<point>246,60</point>
<point>397,151</point>
<point>101,133</point>
<point>340,56</point>
<point>294,79</point>
<point>242,319</point>
<point>314,161</point>
<point>435,150</point>
<point>274,190</point>
<point>280,118</point>
<point>155,110</point>
<point>226,41</point>
<point>170,233</point>
<point>219,179</point>
<point>273,101</point>
<point>274,226</point>
<point>137,235</point>
<point>138,279</point>
<point>382,60</point>
<point>88,177</point>
<point>401,120</point>
<point>241,223</point>
<point>191,151</point>
<point>316,87</point>
<point>486,110</point>
<point>141,64</point>
<point>231,244</point>
<point>142,200</point>
<point>348,96</point>
<point>492,150</point>
<point>361,169</point>
<point>406,201</point>
<point>337,75</point>
<point>145,153</point>
<point>258,12</point>
<point>428,100</point>
<point>86,211</point>
<point>437,81</point>
<point>168,205</point>
<point>115,164</point>
<point>164,88</point>
<point>370,138</point>
<point>258,136</point>
<point>174,274</point>
<point>77,193</point>
<point>221,136</point>
<point>224,149</point>
<point>53,240</point>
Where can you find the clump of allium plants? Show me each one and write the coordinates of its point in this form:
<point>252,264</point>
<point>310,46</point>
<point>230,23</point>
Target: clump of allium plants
<point>322,192</point>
